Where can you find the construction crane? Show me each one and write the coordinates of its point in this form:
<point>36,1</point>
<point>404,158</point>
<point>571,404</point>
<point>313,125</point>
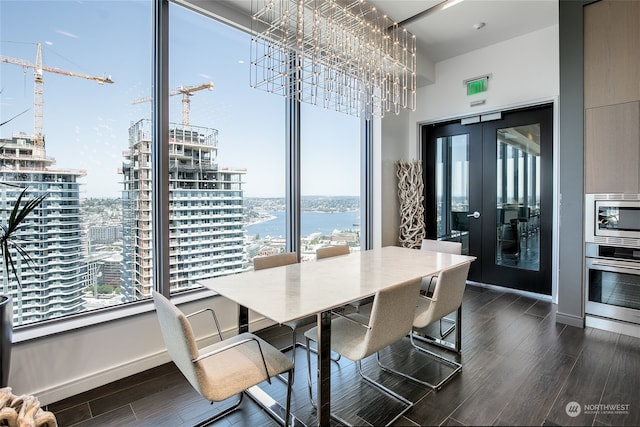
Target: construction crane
<point>38,86</point>
<point>186,92</point>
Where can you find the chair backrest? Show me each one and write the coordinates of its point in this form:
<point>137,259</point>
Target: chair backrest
<point>442,246</point>
<point>392,314</point>
<point>178,338</point>
<point>277,260</point>
<point>329,251</point>
<point>447,296</point>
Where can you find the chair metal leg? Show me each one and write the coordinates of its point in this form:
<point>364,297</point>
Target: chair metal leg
<point>440,342</point>
<point>274,408</point>
<point>376,384</point>
<point>295,344</point>
<point>457,367</point>
<point>386,390</point>
<point>449,330</point>
<point>309,380</point>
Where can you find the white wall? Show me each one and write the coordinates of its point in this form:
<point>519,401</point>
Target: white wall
<point>395,136</point>
<point>525,70</point>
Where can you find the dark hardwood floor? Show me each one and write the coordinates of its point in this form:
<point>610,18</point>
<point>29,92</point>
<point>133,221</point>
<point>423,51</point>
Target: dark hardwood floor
<point>519,368</point>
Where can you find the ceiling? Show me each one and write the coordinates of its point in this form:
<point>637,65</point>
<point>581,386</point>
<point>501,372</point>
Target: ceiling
<point>448,29</point>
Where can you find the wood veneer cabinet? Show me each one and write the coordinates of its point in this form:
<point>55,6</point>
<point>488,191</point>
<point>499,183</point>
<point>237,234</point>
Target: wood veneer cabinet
<point>611,52</point>
<point>612,148</point>
<point>612,96</point>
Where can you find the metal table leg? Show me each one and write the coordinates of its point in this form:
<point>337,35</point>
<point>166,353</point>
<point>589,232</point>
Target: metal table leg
<point>243,319</point>
<point>324,368</point>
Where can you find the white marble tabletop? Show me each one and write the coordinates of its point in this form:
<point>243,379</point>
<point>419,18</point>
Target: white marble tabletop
<point>295,291</point>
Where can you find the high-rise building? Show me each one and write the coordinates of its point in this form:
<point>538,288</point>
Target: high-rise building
<point>206,210</point>
<point>52,282</point>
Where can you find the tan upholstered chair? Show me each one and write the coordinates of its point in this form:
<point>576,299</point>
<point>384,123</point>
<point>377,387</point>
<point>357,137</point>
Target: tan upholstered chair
<point>357,336</point>
<point>429,283</point>
<point>441,246</point>
<point>337,250</point>
<point>224,369</point>
<point>447,297</point>
<point>330,251</point>
<point>269,261</point>
<point>278,260</point>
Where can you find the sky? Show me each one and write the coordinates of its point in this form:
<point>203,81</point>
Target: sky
<point>86,124</point>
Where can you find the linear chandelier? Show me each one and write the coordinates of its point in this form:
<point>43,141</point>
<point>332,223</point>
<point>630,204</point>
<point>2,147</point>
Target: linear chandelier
<point>339,54</point>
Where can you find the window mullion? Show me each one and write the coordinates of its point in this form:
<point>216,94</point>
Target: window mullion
<point>160,147</point>
<point>293,189</point>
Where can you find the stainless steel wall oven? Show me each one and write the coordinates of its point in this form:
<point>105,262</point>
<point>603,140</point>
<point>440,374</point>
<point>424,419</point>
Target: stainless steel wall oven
<point>612,256</point>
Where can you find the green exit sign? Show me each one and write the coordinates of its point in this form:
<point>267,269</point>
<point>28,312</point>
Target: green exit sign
<point>477,86</point>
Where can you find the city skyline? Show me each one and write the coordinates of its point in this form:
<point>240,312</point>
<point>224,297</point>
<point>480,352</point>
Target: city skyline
<point>97,144</point>
<point>85,124</point>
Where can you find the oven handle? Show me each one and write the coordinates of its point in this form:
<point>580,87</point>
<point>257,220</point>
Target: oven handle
<point>604,264</point>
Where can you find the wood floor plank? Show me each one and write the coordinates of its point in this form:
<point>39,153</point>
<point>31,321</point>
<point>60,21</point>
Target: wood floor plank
<point>129,394</point>
<point>72,415</point>
<point>572,340</point>
<point>541,308</point>
<point>525,302</point>
<point>529,404</point>
<point>436,407</point>
<point>114,387</point>
<point>587,379</point>
<point>543,338</point>
<point>452,422</point>
<point>483,407</point>
<point>119,417</point>
<point>623,382</point>
<point>154,402</point>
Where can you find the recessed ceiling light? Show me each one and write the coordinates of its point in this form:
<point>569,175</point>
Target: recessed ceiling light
<point>478,25</point>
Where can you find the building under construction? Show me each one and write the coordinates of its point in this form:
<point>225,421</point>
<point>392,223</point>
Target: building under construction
<point>53,282</point>
<point>206,210</point>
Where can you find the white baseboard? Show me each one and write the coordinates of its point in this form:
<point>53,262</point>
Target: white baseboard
<point>570,319</point>
<point>611,325</point>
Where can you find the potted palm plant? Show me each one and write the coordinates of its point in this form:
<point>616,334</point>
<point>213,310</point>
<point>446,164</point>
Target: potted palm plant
<point>9,239</point>
<point>11,242</point>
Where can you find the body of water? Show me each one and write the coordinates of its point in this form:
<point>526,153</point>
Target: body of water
<point>311,222</point>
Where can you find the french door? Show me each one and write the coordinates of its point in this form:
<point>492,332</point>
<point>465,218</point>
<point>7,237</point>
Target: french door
<point>489,184</point>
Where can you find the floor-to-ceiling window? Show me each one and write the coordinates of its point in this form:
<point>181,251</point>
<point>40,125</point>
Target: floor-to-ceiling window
<point>226,154</point>
<point>330,179</point>
<point>69,74</point>
<point>92,240</point>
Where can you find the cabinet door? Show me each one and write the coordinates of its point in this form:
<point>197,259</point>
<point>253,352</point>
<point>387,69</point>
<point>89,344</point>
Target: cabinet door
<point>611,52</point>
<point>612,149</point>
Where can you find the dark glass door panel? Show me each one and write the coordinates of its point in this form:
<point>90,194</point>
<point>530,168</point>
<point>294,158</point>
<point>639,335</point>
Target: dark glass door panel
<point>492,190</point>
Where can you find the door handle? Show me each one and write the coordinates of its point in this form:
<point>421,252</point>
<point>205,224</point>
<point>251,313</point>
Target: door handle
<point>476,215</point>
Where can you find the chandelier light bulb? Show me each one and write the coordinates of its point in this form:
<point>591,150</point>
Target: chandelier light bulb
<point>346,54</point>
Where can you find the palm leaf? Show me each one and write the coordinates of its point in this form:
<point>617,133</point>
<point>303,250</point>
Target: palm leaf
<point>9,240</point>
<point>14,117</point>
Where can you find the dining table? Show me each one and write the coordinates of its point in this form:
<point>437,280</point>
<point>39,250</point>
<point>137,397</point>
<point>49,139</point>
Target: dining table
<point>287,293</point>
